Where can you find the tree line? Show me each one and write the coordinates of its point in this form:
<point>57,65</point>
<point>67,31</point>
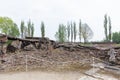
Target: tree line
<point>69,32</point>
<point>65,33</point>
<point>8,27</point>
<point>28,31</point>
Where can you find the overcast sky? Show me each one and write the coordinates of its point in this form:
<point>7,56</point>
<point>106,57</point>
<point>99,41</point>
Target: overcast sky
<point>53,12</point>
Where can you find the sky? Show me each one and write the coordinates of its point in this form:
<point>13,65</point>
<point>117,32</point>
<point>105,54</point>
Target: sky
<point>55,12</point>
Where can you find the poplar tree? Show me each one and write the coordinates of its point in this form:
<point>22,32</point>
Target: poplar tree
<point>22,26</point>
<point>71,32</point>
<point>80,30</point>
<point>68,31</point>
<point>42,29</point>
<point>110,32</point>
<point>105,27</point>
<point>32,30</point>
<point>75,31</point>
<point>61,33</point>
<point>29,28</point>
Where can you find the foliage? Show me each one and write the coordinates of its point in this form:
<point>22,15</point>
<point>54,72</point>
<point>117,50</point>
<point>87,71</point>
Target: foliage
<point>61,33</point>
<point>27,30</point>
<point>8,27</point>
<point>105,26</point>
<point>116,37</point>
<point>42,29</point>
<point>14,31</point>
<point>86,32</point>
<point>110,32</point>
<point>75,31</point>
<point>30,29</point>
<point>68,31</point>
<point>71,32</point>
<point>22,26</point>
<point>80,30</point>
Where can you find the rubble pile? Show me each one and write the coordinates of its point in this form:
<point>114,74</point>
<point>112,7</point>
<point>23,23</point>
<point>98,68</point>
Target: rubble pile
<point>44,53</point>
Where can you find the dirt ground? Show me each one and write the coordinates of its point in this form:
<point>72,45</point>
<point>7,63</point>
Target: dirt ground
<point>75,61</point>
<point>43,75</point>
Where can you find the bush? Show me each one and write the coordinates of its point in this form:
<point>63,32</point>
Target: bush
<point>116,37</point>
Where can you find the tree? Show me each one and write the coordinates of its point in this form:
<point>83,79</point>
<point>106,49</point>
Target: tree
<point>14,31</point>
<point>8,27</point>
<point>75,31</point>
<point>22,26</point>
<point>42,29</point>
<point>68,31</point>
<point>80,30</point>
<point>30,29</point>
<point>86,32</point>
<point>116,37</point>
<point>61,33</point>
<point>27,31</point>
<point>71,32</point>
<point>105,27</point>
<point>110,32</point>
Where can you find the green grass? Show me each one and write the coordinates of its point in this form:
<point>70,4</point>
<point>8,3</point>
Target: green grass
<point>86,44</point>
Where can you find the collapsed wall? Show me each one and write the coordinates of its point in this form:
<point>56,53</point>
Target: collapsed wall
<point>36,43</point>
<point>44,48</point>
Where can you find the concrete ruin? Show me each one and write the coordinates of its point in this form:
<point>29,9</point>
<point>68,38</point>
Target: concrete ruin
<point>44,48</point>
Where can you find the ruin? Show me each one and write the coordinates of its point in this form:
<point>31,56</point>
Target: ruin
<point>56,53</point>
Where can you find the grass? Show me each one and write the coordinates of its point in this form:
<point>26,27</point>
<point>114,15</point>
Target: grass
<point>86,44</point>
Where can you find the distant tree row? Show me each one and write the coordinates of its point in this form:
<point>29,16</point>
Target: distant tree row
<point>61,33</point>
<point>8,27</point>
<point>27,31</point>
<point>65,32</point>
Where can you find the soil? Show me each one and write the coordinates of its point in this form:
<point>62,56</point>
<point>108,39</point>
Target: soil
<point>51,62</point>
